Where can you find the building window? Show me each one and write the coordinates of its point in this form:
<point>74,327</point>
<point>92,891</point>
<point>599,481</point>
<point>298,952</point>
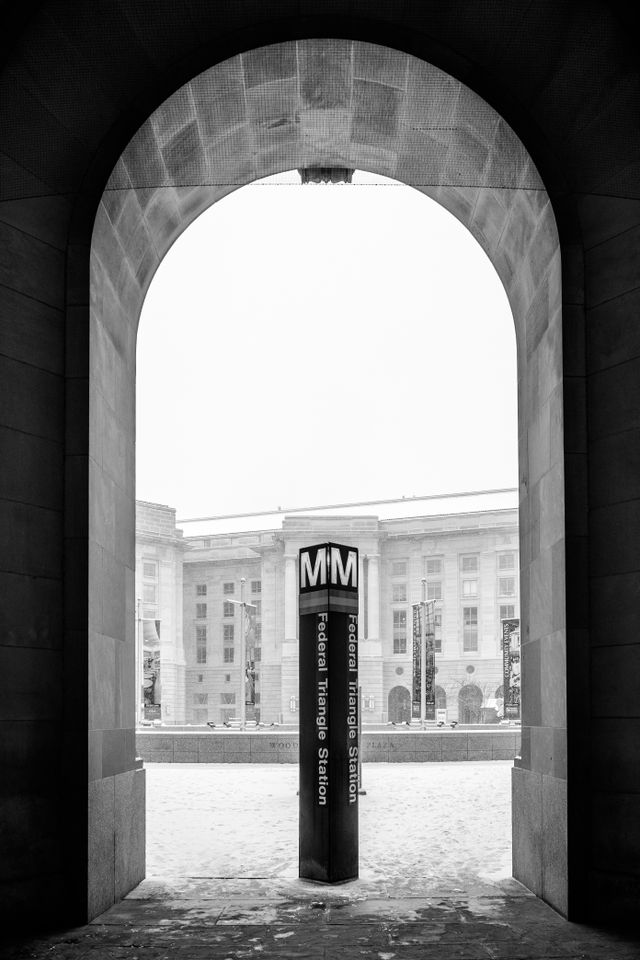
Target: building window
<point>506,561</point>
<point>470,628</point>
<point>228,632</point>
<point>228,588</point>
<point>434,590</point>
<point>399,631</point>
<point>258,605</point>
<point>149,612</point>
<point>257,654</point>
<point>201,698</point>
<point>201,611</point>
<point>201,589</point>
<point>399,568</point>
<point>507,586</point>
<point>227,697</point>
<point>201,645</point>
<point>200,715</point>
<point>433,566</point>
<point>150,569</point>
<point>469,588</point>
<point>227,678</point>
<point>228,609</point>
<point>507,611</point>
<point>257,632</point>
<point>200,677</point>
<point>256,586</point>
<point>437,639</point>
<point>399,593</point>
<point>227,713</point>
<point>149,592</point>
<point>229,654</point>
<point>469,564</point>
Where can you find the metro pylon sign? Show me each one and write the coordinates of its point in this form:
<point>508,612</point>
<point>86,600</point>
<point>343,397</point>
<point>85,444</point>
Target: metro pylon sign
<point>329,745</point>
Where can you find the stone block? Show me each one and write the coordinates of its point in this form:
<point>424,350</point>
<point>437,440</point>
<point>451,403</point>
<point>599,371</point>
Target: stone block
<point>34,268</point>
<point>32,538</point>
<point>610,267</point>
<point>101,833</point>
<point>614,398</point>
<point>236,745</point>
<point>102,681</point>
<point>612,331</point>
<point>34,616</point>
<point>129,815</point>
<point>380,64</point>
<point>118,751</point>
<point>614,681</point>
<point>455,746</point>
<point>553,711</point>
<point>615,608</point>
<point>526,799</point>
<point>210,749</point>
<point>614,468</point>
<point>554,836</point>
<point>615,752</point>
<point>30,684</point>
<point>269,63</point>
<point>31,331</point>
<point>615,538</point>
<point>325,74</point>
<point>185,749</point>
<point>615,823</point>
<point>376,113</point>
<point>31,469</point>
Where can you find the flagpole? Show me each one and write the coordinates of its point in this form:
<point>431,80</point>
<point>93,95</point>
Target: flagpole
<point>423,656</point>
<point>243,656</point>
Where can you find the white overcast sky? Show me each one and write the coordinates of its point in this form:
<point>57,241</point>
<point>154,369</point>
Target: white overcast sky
<point>318,344</point>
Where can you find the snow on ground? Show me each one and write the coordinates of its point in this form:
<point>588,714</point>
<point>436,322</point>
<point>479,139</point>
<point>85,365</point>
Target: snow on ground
<point>433,820</point>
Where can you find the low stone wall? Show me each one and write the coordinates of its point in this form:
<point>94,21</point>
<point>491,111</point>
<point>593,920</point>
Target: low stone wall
<point>264,747</point>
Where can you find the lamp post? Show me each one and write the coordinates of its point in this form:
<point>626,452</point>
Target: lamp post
<point>243,649</point>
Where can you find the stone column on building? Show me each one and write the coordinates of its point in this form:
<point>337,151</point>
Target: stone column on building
<point>290,599</point>
<point>361,632</point>
<point>373,606</point>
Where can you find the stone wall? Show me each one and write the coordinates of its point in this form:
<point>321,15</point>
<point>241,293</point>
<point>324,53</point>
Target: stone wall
<point>266,747</point>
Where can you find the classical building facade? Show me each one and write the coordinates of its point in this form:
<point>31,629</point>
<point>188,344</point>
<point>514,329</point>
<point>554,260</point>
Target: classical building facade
<point>469,563</point>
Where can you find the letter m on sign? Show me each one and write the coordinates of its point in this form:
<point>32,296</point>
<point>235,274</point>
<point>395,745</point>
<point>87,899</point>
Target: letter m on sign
<point>348,573</point>
<point>308,575</point>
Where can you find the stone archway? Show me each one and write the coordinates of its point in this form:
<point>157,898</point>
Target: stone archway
<point>324,103</point>
<point>399,705</point>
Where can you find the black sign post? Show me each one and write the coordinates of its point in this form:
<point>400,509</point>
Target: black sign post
<point>329,741</point>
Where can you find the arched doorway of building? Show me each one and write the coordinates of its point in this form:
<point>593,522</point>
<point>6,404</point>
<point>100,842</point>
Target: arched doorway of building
<point>441,699</point>
<point>470,704</point>
<point>180,163</point>
<point>399,705</point>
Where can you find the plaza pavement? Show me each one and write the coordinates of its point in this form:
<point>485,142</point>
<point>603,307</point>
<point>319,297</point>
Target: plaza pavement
<point>434,882</point>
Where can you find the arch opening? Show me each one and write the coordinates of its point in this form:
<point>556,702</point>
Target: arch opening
<point>329,103</point>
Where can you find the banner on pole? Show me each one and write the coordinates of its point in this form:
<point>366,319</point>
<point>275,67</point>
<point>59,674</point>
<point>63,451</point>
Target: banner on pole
<point>511,654</point>
<point>426,611</point>
<point>418,613</point>
<point>430,671</point>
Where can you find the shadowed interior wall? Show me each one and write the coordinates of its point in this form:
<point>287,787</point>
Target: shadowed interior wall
<point>76,82</point>
<point>348,104</point>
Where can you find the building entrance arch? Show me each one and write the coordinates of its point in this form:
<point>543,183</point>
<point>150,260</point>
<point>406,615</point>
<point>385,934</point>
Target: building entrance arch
<point>470,704</point>
<point>399,705</point>
<point>317,103</point>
